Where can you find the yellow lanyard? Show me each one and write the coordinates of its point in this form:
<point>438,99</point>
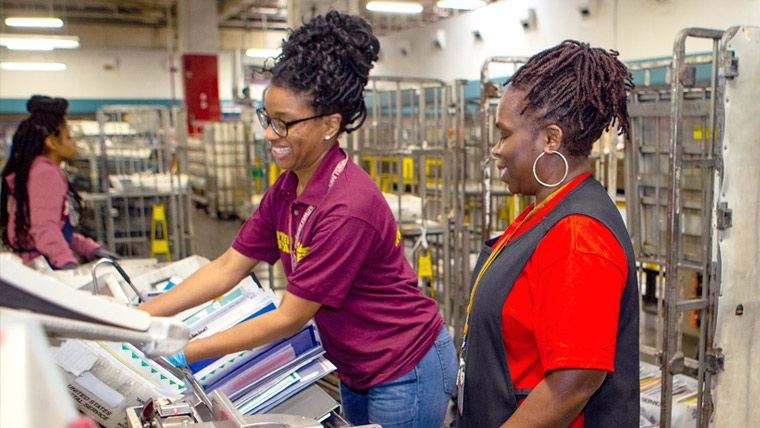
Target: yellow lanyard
<point>503,243</point>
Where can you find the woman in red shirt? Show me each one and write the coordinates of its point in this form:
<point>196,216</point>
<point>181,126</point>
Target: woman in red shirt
<point>552,331</point>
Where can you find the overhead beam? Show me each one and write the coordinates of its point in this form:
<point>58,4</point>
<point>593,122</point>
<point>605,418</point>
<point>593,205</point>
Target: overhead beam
<point>79,17</point>
<point>255,25</point>
<point>92,12</point>
<point>232,8</point>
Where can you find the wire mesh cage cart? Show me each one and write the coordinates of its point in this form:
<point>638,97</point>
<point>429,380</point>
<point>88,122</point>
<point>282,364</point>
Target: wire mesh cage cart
<point>691,127</point>
<point>140,203</point>
<point>411,146</point>
<point>227,167</point>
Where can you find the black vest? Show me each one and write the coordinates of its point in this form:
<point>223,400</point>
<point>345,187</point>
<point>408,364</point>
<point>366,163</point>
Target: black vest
<point>489,397</point>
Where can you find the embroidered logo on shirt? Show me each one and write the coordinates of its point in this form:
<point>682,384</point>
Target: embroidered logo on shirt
<point>283,242</point>
<point>301,252</point>
<point>398,237</point>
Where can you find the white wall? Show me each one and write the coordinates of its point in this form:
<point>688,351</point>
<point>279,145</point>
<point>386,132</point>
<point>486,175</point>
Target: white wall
<point>639,29</point>
<point>139,74</point>
<point>100,36</point>
<point>230,39</point>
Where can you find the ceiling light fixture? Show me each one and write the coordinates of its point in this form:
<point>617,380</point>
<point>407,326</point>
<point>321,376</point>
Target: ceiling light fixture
<point>33,66</point>
<point>394,7</point>
<point>34,22</point>
<point>266,10</point>
<point>263,53</point>
<point>460,4</point>
<point>30,42</point>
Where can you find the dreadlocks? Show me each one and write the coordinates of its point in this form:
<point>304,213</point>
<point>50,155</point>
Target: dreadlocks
<point>47,118</point>
<point>580,88</point>
<point>329,58</point>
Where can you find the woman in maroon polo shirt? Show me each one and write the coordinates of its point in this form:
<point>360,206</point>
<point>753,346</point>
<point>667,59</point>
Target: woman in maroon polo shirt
<point>340,246</point>
<point>551,337</point>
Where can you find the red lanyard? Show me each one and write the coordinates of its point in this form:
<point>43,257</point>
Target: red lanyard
<point>293,243</point>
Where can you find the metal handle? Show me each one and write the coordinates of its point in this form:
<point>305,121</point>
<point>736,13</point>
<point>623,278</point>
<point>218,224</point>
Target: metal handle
<point>140,295</point>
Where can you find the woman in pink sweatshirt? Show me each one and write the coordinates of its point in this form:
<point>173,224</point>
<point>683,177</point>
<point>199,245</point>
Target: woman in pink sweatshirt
<point>37,214</point>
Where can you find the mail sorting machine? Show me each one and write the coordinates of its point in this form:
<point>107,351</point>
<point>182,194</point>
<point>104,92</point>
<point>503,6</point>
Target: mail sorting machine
<point>411,146</point>
<point>33,301</point>
<point>692,190</point>
<point>138,202</point>
<point>98,381</point>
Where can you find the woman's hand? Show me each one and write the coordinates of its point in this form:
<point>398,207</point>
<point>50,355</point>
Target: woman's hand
<point>68,266</point>
<point>100,253</point>
<point>209,282</point>
<point>177,360</point>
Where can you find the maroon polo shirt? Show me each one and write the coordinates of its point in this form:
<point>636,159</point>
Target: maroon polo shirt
<point>374,322</point>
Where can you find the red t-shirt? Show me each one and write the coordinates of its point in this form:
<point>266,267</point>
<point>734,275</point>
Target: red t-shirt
<point>375,323</point>
<point>563,309</point>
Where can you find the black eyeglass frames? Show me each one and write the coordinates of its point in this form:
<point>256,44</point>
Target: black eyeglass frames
<point>279,126</point>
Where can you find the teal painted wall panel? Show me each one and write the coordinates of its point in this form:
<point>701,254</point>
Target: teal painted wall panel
<point>18,105</point>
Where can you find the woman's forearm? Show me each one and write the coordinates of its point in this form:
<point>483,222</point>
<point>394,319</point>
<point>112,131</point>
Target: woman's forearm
<point>265,328</point>
<point>558,399</point>
<point>282,322</point>
<point>209,282</point>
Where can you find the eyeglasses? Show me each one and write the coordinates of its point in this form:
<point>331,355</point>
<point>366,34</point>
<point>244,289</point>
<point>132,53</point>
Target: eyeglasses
<point>279,126</point>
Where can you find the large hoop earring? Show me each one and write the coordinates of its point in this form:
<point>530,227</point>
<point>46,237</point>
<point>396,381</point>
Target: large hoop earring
<point>554,152</point>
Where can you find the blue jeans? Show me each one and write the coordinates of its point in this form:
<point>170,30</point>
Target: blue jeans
<point>417,399</point>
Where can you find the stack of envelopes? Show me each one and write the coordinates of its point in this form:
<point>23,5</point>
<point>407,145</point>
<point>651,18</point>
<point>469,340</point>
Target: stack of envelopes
<point>258,379</point>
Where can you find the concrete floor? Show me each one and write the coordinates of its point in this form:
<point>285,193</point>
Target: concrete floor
<point>214,236</point>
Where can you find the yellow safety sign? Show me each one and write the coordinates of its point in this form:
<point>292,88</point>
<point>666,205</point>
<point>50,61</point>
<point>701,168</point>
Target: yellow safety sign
<point>159,238</point>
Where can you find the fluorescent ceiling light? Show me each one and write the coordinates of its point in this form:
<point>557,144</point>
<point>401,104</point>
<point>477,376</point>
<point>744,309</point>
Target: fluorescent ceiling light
<point>262,53</point>
<point>394,7</point>
<point>33,66</point>
<point>460,4</point>
<point>38,42</point>
<point>266,10</point>
<point>34,22</point>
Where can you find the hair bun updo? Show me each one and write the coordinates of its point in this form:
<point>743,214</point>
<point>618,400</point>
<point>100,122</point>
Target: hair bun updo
<point>329,58</point>
<point>41,103</point>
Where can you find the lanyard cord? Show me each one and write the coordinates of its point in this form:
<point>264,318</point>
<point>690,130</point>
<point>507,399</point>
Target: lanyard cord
<point>293,243</point>
<point>500,244</point>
